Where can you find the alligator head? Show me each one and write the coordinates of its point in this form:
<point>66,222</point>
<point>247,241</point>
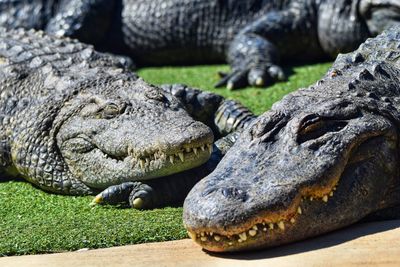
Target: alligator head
<point>322,158</point>
<point>128,131</point>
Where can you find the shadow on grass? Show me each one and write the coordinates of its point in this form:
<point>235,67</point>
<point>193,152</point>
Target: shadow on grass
<point>321,242</point>
<point>5,179</point>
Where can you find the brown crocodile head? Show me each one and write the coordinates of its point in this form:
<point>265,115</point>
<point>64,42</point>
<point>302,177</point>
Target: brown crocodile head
<point>129,131</point>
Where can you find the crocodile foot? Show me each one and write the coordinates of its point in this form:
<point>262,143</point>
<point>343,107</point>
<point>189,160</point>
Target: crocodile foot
<point>134,194</point>
<point>253,76</point>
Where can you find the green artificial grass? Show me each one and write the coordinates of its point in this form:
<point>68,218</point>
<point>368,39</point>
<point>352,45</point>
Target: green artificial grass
<point>32,221</point>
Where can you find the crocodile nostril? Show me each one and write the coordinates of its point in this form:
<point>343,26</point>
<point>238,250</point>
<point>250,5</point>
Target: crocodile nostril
<point>234,193</point>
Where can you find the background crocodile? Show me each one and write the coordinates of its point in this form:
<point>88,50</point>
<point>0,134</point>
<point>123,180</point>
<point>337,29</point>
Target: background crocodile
<point>324,157</point>
<point>250,34</point>
<point>75,121</point>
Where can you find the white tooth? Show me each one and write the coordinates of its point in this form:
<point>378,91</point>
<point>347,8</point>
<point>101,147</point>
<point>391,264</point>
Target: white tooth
<point>311,198</point>
<point>211,233</point>
<point>180,154</point>
<point>255,227</point>
<point>210,148</point>
<point>195,150</point>
<point>325,198</point>
<point>334,189</point>
<point>202,147</point>
<point>141,163</point>
<point>217,238</point>
<point>252,232</point>
<point>187,149</point>
<point>292,220</point>
<point>203,238</point>
<point>271,226</point>
<point>202,234</point>
<point>147,160</point>
<point>243,236</point>
<point>264,229</point>
<point>331,194</point>
<point>171,159</point>
<point>281,225</point>
<point>299,211</point>
<point>191,235</point>
<point>240,240</point>
<point>230,243</point>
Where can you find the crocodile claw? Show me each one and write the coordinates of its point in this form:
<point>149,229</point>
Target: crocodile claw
<point>96,201</point>
<point>137,203</point>
<point>257,77</point>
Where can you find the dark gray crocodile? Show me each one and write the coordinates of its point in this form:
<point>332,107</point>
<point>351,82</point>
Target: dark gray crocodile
<point>251,35</point>
<point>76,121</point>
<point>322,158</point>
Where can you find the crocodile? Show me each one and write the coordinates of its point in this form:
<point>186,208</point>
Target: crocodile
<point>76,121</point>
<point>322,158</point>
<point>253,36</point>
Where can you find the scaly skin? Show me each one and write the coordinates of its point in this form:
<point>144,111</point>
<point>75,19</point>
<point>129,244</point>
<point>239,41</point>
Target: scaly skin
<point>75,121</point>
<point>251,35</point>
<point>322,158</point>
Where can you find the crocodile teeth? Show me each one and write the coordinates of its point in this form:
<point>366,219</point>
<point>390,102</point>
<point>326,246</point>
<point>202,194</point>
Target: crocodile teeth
<point>292,220</point>
<point>299,211</point>
<point>192,236</point>
<point>331,194</point>
<point>252,232</point>
<point>203,238</point>
<point>281,225</point>
<point>171,159</point>
<point>181,156</point>
<point>209,148</point>
<point>325,198</point>
<point>195,150</point>
<point>141,164</point>
<point>147,160</point>
<point>217,238</point>
<point>202,148</point>
<point>243,236</point>
<point>271,226</point>
<point>187,149</point>
<point>265,229</point>
<point>255,227</point>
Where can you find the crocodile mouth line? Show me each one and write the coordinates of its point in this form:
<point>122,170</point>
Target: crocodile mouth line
<point>262,227</point>
<point>179,156</point>
<point>145,161</point>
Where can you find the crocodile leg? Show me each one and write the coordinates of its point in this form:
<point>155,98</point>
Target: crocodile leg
<point>86,20</point>
<point>221,115</point>
<point>254,52</point>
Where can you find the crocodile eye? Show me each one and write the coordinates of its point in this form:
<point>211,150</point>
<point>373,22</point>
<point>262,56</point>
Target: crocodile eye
<point>111,110</point>
<point>154,94</point>
<point>314,127</point>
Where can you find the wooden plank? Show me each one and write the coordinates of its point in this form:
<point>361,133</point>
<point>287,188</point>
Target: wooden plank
<point>376,244</point>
